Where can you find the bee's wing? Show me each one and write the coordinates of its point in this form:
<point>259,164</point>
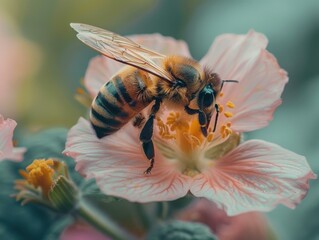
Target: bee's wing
<point>120,49</point>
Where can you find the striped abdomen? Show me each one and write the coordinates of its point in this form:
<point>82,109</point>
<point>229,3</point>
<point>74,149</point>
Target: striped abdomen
<point>119,100</point>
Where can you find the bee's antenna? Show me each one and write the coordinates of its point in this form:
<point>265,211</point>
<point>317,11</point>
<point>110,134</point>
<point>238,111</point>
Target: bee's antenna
<point>223,81</point>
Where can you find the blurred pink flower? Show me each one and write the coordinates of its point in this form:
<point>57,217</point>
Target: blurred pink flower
<point>7,151</point>
<point>247,226</point>
<point>239,177</point>
<point>82,231</point>
<point>17,62</point>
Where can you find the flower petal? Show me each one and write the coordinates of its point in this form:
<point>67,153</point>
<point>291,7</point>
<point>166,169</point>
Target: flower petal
<point>7,151</point>
<point>261,80</point>
<point>117,163</point>
<point>256,176</point>
<point>101,69</point>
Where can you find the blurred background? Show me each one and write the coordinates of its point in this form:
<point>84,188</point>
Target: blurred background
<point>42,63</point>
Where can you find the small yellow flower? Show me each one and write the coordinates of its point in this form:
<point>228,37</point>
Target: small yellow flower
<point>47,182</point>
<point>40,174</point>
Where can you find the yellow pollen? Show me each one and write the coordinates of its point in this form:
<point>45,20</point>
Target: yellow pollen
<point>228,114</point>
<point>40,173</point>
<point>175,121</point>
<point>210,137</point>
<point>221,94</point>
<point>186,132</point>
<point>225,130</point>
<point>163,129</point>
<point>230,104</point>
<point>221,108</point>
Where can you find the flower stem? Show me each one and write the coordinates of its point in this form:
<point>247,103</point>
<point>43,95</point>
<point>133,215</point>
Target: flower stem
<point>144,217</point>
<point>102,222</point>
<point>163,210</point>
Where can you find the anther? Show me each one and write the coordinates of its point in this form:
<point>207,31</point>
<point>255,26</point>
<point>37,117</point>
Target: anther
<point>221,108</point>
<point>210,137</point>
<point>230,104</point>
<point>228,114</point>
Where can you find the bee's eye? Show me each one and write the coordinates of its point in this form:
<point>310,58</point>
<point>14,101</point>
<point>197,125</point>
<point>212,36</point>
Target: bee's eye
<point>208,99</point>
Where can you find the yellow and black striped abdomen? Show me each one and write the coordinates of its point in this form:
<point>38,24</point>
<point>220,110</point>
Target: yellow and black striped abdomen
<point>119,100</point>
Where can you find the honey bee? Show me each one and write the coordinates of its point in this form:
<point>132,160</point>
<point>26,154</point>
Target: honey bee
<point>150,77</point>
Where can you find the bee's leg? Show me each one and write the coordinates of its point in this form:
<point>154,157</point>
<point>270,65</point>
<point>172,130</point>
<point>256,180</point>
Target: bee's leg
<point>191,111</point>
<point>147,134</point>
<point>216,118</point>
<point>202,119</point>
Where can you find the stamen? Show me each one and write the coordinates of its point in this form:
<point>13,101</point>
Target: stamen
<point>164,130</point>
<point>192,140</point>
<point>221,108</point>
<point>230,104</point>
<point>210,137</point>
<point>175,122</point>
<point>225,130</point>
<point>39,174</point>
<point>221,94</point>
<point>228,114</point>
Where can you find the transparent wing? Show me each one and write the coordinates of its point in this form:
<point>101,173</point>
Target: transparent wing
<point>120,49</point>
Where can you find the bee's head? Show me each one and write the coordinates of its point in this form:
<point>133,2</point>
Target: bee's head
<point>187,73</point>
<point>207,95</point>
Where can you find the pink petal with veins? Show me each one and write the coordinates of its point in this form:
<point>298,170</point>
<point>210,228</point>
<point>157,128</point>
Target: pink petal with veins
<point>7,151</point>
<point>261,80</point>
<point>117,163</point>
<point>101,69</point>
<point>255,176</point>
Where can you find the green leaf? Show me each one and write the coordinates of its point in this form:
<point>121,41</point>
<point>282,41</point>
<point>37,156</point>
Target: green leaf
<point>178,230</point>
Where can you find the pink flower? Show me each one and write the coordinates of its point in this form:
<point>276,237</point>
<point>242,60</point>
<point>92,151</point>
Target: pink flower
<point>239,177</point>
<point>248,226</point>
<point>7,151</point>
<point>82,231</point>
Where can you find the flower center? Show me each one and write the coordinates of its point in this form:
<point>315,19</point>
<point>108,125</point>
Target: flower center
<point>195,152</point>
<point>40,174</point>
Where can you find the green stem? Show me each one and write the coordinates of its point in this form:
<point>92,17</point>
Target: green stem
<point>144,217</point>
<point>100,221</point>
<point>163,209</point>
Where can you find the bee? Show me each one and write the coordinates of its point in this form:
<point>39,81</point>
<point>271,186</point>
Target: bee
<point>148,78</point>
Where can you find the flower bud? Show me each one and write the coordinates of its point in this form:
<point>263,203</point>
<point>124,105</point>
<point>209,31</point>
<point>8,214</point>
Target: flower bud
<point>63,195</point>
